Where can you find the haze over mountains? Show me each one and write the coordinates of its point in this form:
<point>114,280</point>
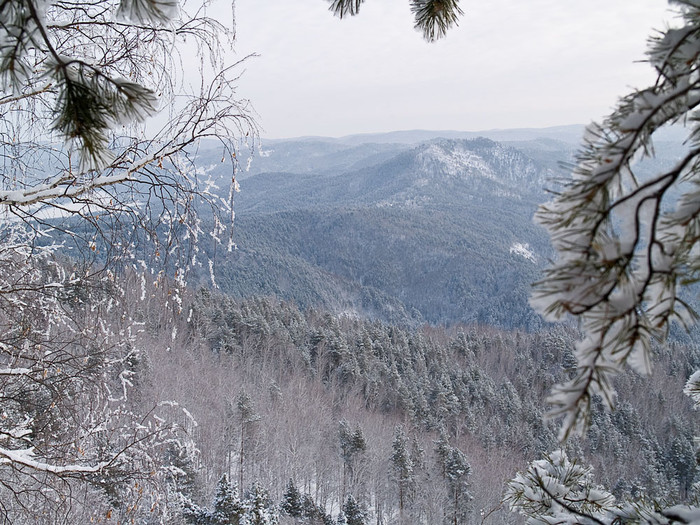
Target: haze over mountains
<point>400,229</point>
<point>570,134</point>
<point>406,227</point>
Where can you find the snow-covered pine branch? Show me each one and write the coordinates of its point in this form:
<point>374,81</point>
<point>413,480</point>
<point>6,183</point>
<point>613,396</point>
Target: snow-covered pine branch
<point>557,490</point>
<point>625,242</point>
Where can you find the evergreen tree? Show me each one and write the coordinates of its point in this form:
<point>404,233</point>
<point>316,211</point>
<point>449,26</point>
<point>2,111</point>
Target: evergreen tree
<point>259,509</point>
<point>359,443</point>
<point>681,458</point>
<point>353,512</point>
<point>457,471</point>
<point>417,454</point>
<point>181,476</point>
<point>442,451</point>
<point>352,445</point>
<point>228,509</point>
<point>292,504</point>
<point>402,467</point>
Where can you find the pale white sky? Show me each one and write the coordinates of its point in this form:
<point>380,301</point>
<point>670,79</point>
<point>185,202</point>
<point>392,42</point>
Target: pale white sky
<point>510,63</point>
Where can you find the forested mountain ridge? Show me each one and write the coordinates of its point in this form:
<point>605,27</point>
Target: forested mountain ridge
<point>441,232</point>
<point>316,154</point>
<point>440,172</point>
<point>444,159</point>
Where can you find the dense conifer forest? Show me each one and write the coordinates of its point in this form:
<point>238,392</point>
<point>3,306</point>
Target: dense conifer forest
<point>307,413</point>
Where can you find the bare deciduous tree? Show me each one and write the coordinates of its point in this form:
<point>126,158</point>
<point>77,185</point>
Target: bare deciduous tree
<point>84,178</point>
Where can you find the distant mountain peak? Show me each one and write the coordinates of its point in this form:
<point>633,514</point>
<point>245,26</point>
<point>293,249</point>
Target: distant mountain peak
<point>463,159</point>
<point>453,158</point>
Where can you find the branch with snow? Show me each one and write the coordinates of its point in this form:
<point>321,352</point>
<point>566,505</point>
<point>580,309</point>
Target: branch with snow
<point>625,246</point>
<point>25,458</point>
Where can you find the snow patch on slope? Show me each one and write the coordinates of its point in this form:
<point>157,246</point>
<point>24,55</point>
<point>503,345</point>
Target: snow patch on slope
<point>456,162</point>
<point>523,250</point>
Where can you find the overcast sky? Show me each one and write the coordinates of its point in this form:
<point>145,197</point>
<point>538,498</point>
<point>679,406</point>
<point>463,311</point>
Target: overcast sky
<point>510,63</point>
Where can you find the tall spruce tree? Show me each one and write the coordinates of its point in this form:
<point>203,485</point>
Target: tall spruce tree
<point>352,446</point>
<point>292,501</point>
<point>402,469</point>
<point>354,515</point>
<point>455,471</point>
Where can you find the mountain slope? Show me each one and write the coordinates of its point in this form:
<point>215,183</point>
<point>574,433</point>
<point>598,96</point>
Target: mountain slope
<point>442,233</point>
<point>443,173</point>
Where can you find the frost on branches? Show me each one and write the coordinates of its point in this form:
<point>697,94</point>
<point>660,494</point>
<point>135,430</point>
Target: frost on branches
<point>86,190</point>
<point>626,243</point>
<point>557,490</point>
<point>77,82</point>
<point>71,442</point>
